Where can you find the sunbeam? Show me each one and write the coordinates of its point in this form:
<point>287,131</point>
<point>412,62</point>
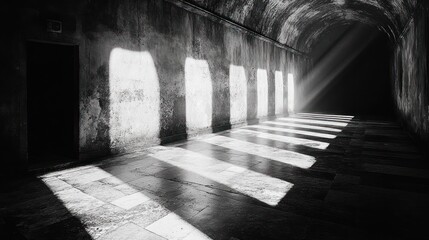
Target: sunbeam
<point>272,153</point>
<point>326,71</point>
<point>302,126</point>
<point>279,92</point>
<point>134,97</point>
<point>199,90</point>
<point>262,90</point>
<point>343,117</point>
<point>256,185</point>
<point>307,133</point>
<point>311,121</point>
<point>238,94</point>
<point>76,190</point>
<point>291,92</point>
<point>285,139</point>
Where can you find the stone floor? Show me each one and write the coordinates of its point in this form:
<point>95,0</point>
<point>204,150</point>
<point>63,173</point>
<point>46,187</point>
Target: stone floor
<point>309,176</point>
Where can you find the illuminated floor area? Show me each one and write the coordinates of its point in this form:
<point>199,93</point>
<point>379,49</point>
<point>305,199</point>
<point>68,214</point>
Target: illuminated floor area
<point>309,176</point>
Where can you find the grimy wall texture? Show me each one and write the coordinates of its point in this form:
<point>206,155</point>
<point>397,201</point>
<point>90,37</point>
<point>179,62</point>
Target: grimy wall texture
<point>150,71</point>
<point>410,75</point>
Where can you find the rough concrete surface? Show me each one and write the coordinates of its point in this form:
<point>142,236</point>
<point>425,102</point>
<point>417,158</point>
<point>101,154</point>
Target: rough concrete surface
<point>298,23</point>
<point>368,181</point>
<point>410,83</point>
<point>144,66</point>
<point>136,58</point>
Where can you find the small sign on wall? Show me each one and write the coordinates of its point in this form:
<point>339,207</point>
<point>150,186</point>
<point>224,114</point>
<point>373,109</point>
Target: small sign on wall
<point>54,26</point>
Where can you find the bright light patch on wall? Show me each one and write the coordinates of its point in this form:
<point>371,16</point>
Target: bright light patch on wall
<point>253,184</point>
<point>238,94</point>
<point>262,85</point>
<point>199,93</point>
<point>287,124</point>
<point>291,93</point>
<point>311,121</point>
<point>78,203</point>
<point>294,131</point>
<point>272,153</point>
<point>279,92</point>
<point>285,139</point>
<point>134,96</point>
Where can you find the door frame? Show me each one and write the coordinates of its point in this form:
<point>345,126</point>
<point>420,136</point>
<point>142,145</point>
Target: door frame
<point>76,91</point>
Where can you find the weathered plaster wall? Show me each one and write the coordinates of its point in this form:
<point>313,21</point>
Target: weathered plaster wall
<point>410,73</point>
<point>164,73</point>
<point>145,69</point>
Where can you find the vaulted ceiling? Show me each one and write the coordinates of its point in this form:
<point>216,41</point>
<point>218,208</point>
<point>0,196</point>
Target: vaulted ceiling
<point>297,23</point>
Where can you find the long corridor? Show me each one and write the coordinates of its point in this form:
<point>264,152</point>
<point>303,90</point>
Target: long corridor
<point>306,176</point>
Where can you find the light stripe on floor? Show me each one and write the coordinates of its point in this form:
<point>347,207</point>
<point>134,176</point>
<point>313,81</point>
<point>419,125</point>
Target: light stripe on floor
<point>253,184</point>
<point>325,115</point>
<point>303,126</point>
<point>302,132</point>
<point>285,139</point>
<point>276,154</point>
<point>310,121</point>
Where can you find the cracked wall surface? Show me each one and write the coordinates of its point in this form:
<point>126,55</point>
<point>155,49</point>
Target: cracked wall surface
<point>410,75</point>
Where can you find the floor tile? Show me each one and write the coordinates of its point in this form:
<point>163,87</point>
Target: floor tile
<point>131,201</point>
<point>173,226</point>
<point>307,176</point>
<point>130,231</point>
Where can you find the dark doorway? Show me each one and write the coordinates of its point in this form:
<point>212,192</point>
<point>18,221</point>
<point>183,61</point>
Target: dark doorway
<point>355,62</point>
<point>52,87</point>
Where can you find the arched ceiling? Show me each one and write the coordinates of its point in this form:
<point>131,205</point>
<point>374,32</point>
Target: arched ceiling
<point>297,23</point>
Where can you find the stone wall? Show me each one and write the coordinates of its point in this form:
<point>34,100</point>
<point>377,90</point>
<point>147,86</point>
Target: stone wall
<point>149,72</point>
<point>410,75</point>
